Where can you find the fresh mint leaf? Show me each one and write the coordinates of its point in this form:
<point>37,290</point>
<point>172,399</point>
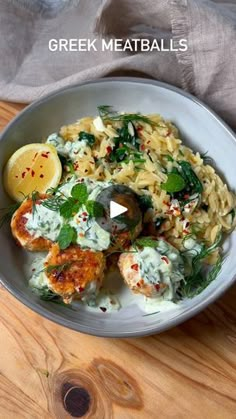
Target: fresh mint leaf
<point>67,208</point>
<point>80,192</point>
<point>95,209</point>
<point>67,236</point>
<point>174,183</point>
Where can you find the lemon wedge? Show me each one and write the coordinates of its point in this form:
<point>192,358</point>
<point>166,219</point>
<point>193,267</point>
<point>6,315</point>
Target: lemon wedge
<point>33,167</point>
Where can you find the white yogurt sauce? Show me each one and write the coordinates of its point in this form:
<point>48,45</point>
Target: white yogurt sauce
<point>44,222</point>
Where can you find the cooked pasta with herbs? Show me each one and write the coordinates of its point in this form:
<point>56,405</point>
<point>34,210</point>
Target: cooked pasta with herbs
<point>186,208</point>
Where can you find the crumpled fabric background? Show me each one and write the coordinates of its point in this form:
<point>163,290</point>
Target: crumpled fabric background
<point>28,70</point>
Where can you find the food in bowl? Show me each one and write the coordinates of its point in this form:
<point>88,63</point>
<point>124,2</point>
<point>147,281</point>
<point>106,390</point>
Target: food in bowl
<point>172,253</point>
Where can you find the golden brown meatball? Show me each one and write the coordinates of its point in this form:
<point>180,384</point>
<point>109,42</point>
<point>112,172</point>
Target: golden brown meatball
<point>74,272</point>
<point>21,234</point>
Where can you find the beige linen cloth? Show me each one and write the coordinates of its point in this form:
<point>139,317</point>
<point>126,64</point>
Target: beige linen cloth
<point>28,70</point>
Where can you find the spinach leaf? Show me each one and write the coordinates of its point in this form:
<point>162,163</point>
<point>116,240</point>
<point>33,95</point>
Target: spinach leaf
<point>174,183</point>
<point>89,138</point>
<point>193,184</point>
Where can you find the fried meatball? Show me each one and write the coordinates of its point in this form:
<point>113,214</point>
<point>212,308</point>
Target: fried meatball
<point>152,271</point>
<point>20,232</point>
<point>74,272</point>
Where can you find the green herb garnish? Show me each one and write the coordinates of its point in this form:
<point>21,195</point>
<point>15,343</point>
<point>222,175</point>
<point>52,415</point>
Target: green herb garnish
<point>80,192</point>
<point>7,213</point>
<point>206,159</point>
<point>69,207</point>
<point>95,209</point>
<point>66,236</point>
<point>174,183</point>
<point>45,294</point>
<point>107,114</point>
<point>146,242</point>
<point>58,268</point>
<point>197,281</point>
<point>168,158</point>
<point>193,184</point>
<point>233,214</point>
<point>89,138</point>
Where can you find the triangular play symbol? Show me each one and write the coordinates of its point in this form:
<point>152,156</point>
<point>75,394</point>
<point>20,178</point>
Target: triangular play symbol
<point>116,209</point>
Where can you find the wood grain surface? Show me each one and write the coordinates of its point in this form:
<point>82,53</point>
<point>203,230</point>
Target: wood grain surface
<point>47,371</point>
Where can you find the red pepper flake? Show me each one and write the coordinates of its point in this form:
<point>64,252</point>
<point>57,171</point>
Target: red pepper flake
<point>41,176</point>
<point>139,129</point>
<point>169,212</point>
<point>84,214</point>
<point>157,286</point>
<point>103,309</point>
<point>138,285</point>
<point>187,225</point>
<point>32,173</point>
<point>135,267</point>
<point>23,175</point>
<point>142,147</point>
<point>168,132</point>
<point>166,203</point>
<point>186,196</point>
<point>81,289</point>
<point>166,260</point>
<point>185,231</point>
<point>28,169</point>
<point>16,176</point>
<point>45,155</point>
<point>47,152</point>
<point>148,142</point>
<point>84,219</point>
<point>109,150</point>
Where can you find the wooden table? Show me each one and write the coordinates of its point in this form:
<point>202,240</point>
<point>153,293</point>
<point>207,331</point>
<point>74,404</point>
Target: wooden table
<point>187,372</point>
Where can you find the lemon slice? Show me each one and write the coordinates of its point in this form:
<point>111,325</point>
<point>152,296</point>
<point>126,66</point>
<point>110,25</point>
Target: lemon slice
<point>34,167</point>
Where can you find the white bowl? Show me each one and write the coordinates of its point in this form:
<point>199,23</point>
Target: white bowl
<point>200,128</point>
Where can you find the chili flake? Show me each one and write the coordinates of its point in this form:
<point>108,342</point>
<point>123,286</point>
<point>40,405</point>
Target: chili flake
<point>135,267</point>
<point>165,259</point>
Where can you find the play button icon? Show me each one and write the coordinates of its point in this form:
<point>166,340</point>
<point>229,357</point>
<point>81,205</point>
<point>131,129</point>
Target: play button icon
<point>116,209</point>
<point>120,210</point>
